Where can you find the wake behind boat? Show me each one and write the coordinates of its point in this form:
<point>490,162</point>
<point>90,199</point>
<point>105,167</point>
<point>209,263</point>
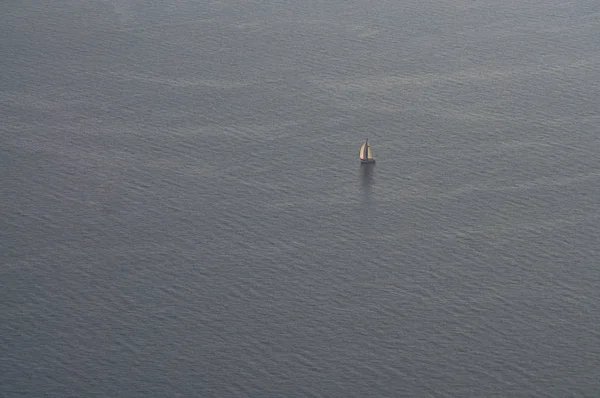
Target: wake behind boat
<point>366,154</point>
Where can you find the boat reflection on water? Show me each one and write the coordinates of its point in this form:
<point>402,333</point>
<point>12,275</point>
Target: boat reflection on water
<point>367,179</point>
<point>366,174</point>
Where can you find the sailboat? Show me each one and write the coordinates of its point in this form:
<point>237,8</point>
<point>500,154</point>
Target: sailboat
<point>366,154</point>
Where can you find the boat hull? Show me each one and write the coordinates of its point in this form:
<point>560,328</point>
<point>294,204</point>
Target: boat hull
<point>368,161</point>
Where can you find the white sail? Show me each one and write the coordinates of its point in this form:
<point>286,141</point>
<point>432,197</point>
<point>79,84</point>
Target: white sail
<point>369,152</point>
<point>362,151</point>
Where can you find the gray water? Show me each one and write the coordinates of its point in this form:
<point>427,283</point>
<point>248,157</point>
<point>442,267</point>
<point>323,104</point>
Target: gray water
<point>183,212</point>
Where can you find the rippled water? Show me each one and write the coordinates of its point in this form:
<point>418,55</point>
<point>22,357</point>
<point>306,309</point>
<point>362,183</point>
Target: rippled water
<point>183,212</point>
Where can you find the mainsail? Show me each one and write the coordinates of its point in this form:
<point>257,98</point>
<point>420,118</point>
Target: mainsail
<point>363,154</point>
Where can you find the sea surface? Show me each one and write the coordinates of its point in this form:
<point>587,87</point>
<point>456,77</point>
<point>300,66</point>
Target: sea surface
<point>183,213</point>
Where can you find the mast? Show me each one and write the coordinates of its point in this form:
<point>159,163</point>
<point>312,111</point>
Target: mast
<point>366,150</point>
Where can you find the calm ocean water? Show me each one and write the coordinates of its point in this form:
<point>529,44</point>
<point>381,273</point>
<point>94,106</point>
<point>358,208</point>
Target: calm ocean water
<point>183,212</point>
